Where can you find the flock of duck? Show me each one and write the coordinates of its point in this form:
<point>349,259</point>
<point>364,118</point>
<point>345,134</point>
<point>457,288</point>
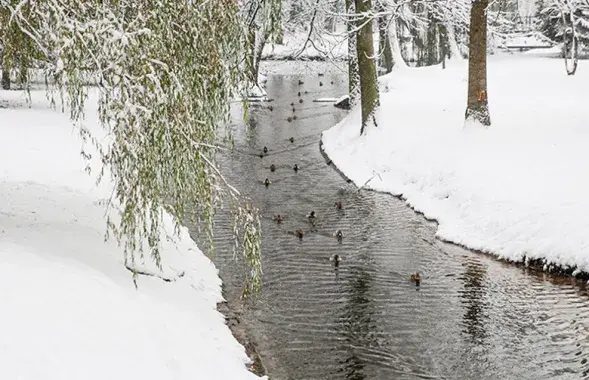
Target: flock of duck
<point>300,233</point>
<point>311,217</point>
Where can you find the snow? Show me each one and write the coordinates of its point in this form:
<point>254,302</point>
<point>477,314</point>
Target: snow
<point>517,190</point>
<point>70,308</point>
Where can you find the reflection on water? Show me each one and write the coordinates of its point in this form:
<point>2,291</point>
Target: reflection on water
<point>474,299</point>
<point>357,321</point>
<point>472,318</point>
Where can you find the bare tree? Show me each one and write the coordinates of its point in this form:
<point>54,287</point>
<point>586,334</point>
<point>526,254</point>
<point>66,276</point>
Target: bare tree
<point>366,66</point>
<point>477,108</point>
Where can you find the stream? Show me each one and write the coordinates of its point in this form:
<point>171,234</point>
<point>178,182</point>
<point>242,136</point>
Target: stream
<point>472,317</point>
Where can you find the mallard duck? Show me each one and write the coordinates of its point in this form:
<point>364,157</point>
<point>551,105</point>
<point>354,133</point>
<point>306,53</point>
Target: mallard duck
<point>293,109</point>
<point>295,168</point>
<point>339,205</point>
<point>300,100</point>
<point>291,139</point>
<point>292,104</point>
<point>336,259</point>
<point>299,94</point>
<point>278,218</point>
<point>300,82</point>
<point>320,74</point>
<point>289,119</point>
<point>416,278</point>
<point>294,117</point>
<point>339,235</point>
<point>267,182</point>
<point>320,83</point>
<point>272,167</point>
<point>271,108</point>
<point>311,215</point>
<point>265,150</point>
<point>300,233</point>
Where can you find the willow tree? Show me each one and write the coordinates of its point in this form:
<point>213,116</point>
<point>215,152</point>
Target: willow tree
<point>477,109</point>
<point>369,97</point>
<point>166,72</point>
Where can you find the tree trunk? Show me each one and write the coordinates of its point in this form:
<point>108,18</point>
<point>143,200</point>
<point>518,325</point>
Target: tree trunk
<point>384,44</point>
<point>477,108</point>
<point>366,65</point>
<point>5,83</point>
<point>353,79</point>
<point>398,59</point>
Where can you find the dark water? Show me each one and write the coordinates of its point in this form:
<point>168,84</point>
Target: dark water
<point>471,318</point>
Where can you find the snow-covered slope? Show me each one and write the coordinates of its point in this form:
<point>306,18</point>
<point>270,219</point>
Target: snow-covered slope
<point>69,306</point>
<point>518,189</point>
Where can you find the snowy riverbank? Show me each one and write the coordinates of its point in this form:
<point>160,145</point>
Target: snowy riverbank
<point>517,190</point>
<point>70,309</point>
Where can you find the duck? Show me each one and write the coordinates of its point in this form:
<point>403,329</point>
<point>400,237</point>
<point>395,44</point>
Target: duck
<point>291,104</point>
<point>320,74</point>
<point>320,83</point>
<point>295,168</point>
<point>293,109</point>
<point>339,235</point>
<point>272,167</point>
<point>271,108</point>
<point>339,205</point>
<point>300,233</point>
<point>336,259</point>
<point>300,100</point>
<point>299,94</point>
<point>416,278</point>
<point>289,119</point>
<point>278,218</point>
<point>301,82</point>
<point>267,182</point>
<point>311,215</point>
<point>291,139</point>
<point>294,117</point>
<point>265,150</point>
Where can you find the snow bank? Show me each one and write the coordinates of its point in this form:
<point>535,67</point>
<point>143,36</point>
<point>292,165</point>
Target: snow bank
<point>518,189</point>
<point>69,307</point>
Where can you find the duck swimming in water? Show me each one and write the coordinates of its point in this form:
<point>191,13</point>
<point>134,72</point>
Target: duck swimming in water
<point>265,150</point>
<point>336,259</point>
<point>300,233</point>
<point>272,167</point>
<point>311,215</point>
<point>278,218</point>
<point>295,168</point>
<point>291,139</point>
<point>339,205</point>
<point>416,278</point>
<point>267,182</point>
<point>339,235</point>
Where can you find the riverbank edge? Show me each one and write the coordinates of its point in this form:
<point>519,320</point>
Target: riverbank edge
<point>233,312</point>
<point>539,265</point>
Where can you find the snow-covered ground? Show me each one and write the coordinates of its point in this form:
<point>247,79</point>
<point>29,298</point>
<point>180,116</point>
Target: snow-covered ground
<point>517,189</point>
<point>69,306</point>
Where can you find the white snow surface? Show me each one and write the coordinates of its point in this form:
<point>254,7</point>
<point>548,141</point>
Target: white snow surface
<point>69,306</point>
<point>518,189</point>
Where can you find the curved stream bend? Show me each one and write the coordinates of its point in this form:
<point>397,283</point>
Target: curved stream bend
<point>471,318</point>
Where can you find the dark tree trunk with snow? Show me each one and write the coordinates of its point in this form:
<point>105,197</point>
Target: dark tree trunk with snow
<point>5,83</point>
<point>352,57</point>
<point>5,79</point>
<point>477,108</point>
<point>366,65</point>
<point>384,43</point>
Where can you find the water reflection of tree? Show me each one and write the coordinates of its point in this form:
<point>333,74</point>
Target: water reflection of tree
<point>357,321</point>
<point>473,299</point>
